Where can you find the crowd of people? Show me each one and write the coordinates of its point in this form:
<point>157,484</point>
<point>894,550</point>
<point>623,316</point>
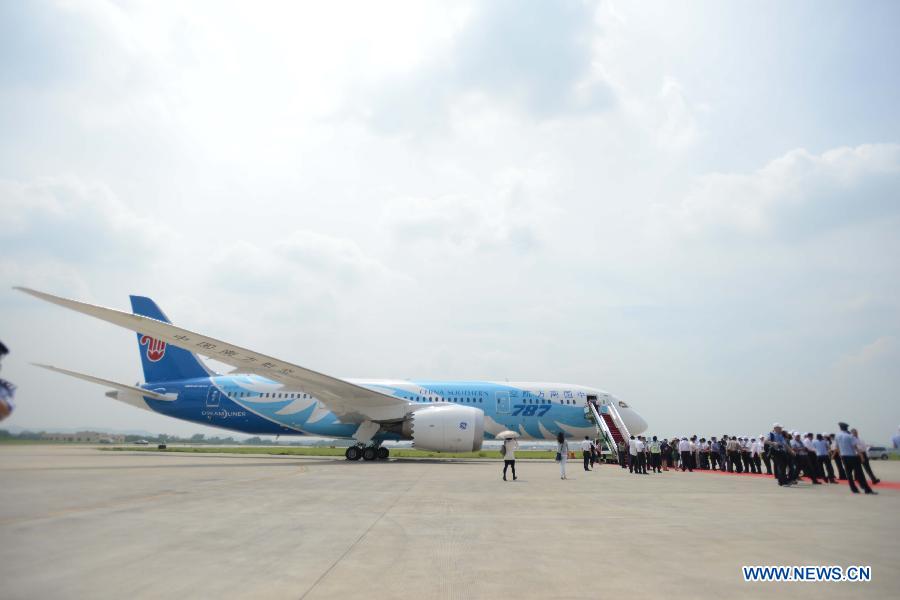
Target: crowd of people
<point>786,456</point>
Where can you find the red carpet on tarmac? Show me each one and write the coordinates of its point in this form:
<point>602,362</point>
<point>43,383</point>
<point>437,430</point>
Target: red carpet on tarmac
<point>881,485</point>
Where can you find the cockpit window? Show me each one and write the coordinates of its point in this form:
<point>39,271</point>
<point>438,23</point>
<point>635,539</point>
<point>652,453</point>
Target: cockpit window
<point>622,404</point>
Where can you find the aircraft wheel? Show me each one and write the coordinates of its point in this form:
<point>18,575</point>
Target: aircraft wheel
<point>353,453</point>
<point>369,453</point>
<point>383,453</point>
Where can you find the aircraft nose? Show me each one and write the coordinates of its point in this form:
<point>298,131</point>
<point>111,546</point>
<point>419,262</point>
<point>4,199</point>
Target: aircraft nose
<point>640,423</point>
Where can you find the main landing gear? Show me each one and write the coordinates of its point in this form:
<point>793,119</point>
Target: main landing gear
<point>367,453</point>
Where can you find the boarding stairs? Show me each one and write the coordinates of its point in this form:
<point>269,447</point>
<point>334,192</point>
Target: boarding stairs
<point>610,426</point>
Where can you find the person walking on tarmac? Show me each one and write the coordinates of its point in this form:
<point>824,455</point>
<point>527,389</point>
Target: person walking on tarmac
<point>812,459</point>
<point>586,452</point>
<point>836,455</point>
<point>766,455</point>
<point>510,445</point>
<point>846,442</point>
<point>778,450</point>
<point>733,451</point>
<point>562,453</point>
<point>684,449</point>
<point>823,458</point>
<point>756,450</point>
<point>864,456</point>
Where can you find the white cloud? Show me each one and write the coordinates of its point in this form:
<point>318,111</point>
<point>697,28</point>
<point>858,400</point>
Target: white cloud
<point>72,220</point>
<point>679,128</point>
<point>882,351</point>
<point>330,256</point>
<point>535,58</point>
<point>797,194</point>
<point>507,217</point>
<point>303,265</point>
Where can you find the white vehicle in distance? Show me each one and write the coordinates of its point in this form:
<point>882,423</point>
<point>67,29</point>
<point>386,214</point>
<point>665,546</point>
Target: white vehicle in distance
<point>878,452</point>
<point>142,442</point>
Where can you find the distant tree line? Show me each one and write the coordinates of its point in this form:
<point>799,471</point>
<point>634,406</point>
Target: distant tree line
<point>197,438</point>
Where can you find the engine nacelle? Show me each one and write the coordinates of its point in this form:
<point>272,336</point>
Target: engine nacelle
<point>446,428</point>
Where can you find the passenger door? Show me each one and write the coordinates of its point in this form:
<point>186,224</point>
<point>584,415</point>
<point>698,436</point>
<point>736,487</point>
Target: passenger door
<point>212,397</point>
<point>503,402</point>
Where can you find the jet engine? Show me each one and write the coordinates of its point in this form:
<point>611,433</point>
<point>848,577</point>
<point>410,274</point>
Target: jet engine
<point>446,428</point>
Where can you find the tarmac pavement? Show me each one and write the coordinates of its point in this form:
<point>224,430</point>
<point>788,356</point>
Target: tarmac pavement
<point>76,522</point>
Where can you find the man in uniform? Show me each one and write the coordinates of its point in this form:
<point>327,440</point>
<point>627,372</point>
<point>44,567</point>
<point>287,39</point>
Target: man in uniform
<point>847,446</point>
<point>864,456</point>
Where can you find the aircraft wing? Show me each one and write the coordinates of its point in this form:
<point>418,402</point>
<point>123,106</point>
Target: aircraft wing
<point>350,402</point>
<point>121,387</point>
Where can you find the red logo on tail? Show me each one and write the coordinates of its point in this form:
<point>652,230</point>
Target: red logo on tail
<point>156,349</point>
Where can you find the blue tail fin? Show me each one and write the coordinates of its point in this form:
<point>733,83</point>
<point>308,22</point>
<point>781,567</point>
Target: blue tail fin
<point>161,361</point>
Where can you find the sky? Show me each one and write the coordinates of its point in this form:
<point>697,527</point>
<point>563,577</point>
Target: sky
<point>692,205</point>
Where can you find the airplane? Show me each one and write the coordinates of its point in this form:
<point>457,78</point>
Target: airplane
<point>265,395</point>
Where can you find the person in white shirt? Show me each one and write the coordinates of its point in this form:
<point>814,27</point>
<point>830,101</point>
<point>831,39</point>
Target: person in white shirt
<point>864,456</point>
<point>848,446</point>
<point>836,455</point>
<point>562,451</point>
<point>586,453</point>
<point>704,454</point>
<point>896,440</point>
<point>640,447</point>
<point>745,454</point>
<point>684,448</point>
<point>811,458</point>
<point>510,446</point>
<point>695,452</point>
<point>632,454</point>
<point>766,455</point>
<point>822,459</point>
<point>756,449</point>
